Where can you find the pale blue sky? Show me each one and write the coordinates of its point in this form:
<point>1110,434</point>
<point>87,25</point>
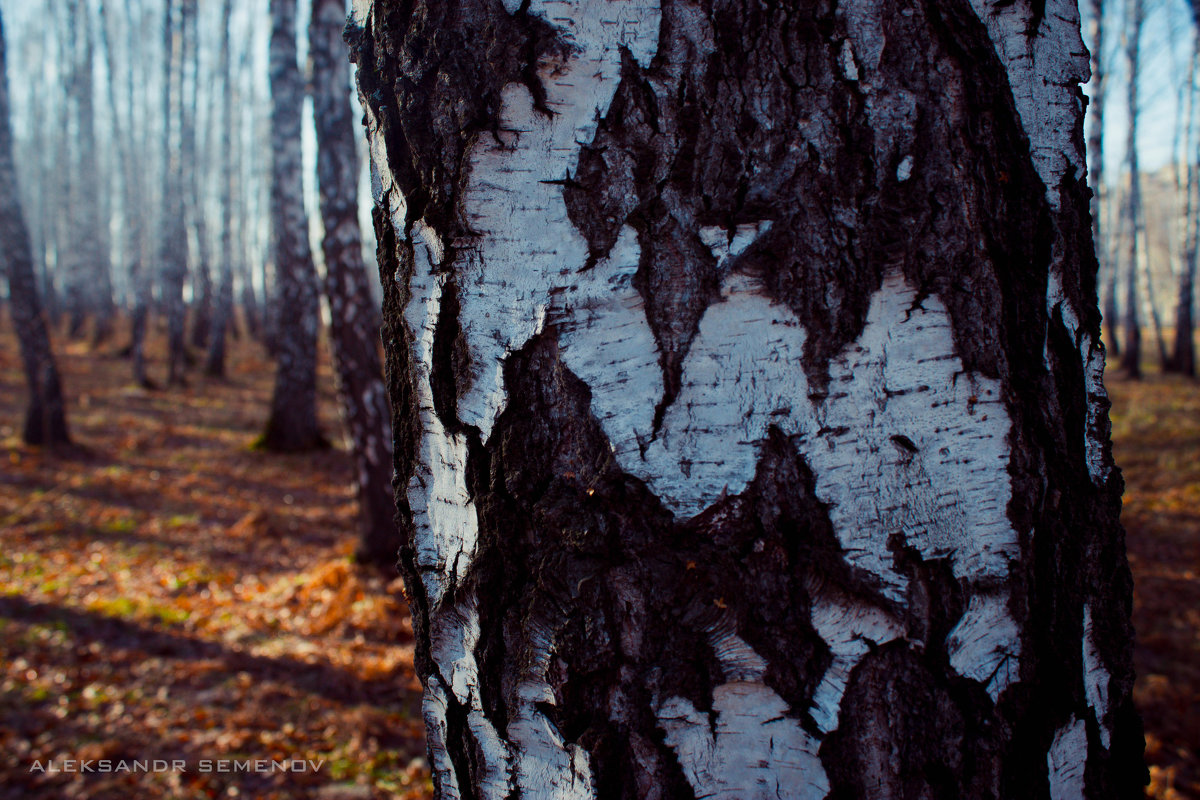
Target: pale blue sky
<point>1166,46</point>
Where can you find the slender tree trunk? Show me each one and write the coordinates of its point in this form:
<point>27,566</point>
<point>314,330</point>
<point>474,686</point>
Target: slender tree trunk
<point>354,323</point>
<point>45,280</point>
<point>45,99</point>
<point>199,161</point>
<point>1095,159</point>
<point>249,214</point>
<point>140,278</point>
<point>223,314</point>
<point>189,180</point>
<point>293,422</point>
<point>1160,339</point>
<point>72,259</point>
<point>1131,355</point>
<point>133,205</point>
<point>91,233</point>
<point>173,253</point>
<point>1111,273</point>
<point>202,305</point>
<point>1183,354</point>
<point>268,270</point>
<point>45,417</point>
<point>38,184</point>
<point>743,437</point>
<point>251,308</point>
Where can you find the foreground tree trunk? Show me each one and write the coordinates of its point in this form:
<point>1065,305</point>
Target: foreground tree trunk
<point>745,366</point>
<point>292,425</point>
<point>45,418</point>
<point>354,322</point>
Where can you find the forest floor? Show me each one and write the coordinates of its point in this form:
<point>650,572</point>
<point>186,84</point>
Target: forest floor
<point>1156,442</point>
<point>167,592</point>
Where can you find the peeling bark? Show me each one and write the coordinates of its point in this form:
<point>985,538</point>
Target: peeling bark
<point>747,400</point>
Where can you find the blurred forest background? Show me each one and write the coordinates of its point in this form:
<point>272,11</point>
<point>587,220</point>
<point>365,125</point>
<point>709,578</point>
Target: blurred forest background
<point>190,561</point>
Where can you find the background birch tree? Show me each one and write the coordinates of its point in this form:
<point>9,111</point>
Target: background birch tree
<point>173,248</point>
<point>745,368</point>
<point>45,416</point>
<point>214,363</point>
<point>89,290</point>
<point>1131,355</point>
<point>1183,350</point>
<point>292,424</point>
<point>1095,162</point>
<point>354,317</point>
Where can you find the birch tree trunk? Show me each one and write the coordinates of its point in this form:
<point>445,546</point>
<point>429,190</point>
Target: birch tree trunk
<point>133,206</point>
<point>749,427</point>
<point>1095,162</point>
<point>354,321</point>
<point>1131,356</point>
<point>1183,352</point>
<point>91,233</point>
<point>173,236</point>
<point>214,364</point>
<point>140,278</point>
<point>292,425</point>
<point>1183,355</point>
<point>45,417</point>
<point>199,158</point>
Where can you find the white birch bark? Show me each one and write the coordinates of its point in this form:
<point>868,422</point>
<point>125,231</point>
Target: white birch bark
<point>512,313</point>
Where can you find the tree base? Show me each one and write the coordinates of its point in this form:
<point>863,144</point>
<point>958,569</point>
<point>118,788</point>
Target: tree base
<point>281,437</point>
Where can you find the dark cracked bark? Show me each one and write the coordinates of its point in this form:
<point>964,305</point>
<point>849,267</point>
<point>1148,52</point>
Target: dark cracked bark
<point>354,320</point>
<point>292,425</point>
<point>45,416</point>
<point>745,370</point>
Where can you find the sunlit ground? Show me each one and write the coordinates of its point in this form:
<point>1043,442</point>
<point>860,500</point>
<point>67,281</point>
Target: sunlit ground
<point>168,593</point>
